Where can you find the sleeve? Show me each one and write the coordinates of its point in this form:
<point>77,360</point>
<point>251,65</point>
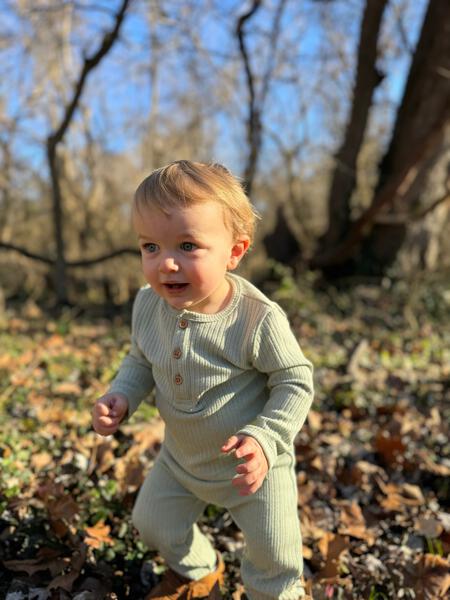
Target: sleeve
<point>290,381</point>
<point>135,377</point>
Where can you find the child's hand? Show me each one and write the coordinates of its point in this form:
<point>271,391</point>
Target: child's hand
<point>109,410</point>
<point>252,472</point>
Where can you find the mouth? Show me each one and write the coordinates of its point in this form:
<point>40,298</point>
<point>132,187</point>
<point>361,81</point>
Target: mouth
<point>175,286</point>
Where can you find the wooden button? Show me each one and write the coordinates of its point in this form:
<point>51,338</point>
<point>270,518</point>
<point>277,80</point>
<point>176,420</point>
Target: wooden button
<point>183,324</point>
<point>176,353</point>
<point>178,379</point>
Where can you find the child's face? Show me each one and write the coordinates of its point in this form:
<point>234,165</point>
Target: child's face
<point>186,254</point>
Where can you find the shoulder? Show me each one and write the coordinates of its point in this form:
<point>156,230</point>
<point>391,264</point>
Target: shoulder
<point>259,317</point>
<point>255,300</point>
<point>144,296</point>
<point>144,302</point>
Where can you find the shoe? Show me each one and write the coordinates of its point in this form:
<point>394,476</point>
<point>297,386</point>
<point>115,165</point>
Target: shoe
<point>174,586</point>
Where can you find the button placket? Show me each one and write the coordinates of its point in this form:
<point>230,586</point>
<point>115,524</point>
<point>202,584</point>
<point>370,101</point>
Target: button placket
<point>177,352</point>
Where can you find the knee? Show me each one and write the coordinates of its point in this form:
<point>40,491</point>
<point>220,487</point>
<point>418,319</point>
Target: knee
<point>156,530</point>
<point>144,520</point>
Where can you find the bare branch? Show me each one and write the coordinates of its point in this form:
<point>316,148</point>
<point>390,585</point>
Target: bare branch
<point>99,259</point>
<point>441,200</point>
<point>27,253</point>
<point>76,263</point>
<point>89,63</point>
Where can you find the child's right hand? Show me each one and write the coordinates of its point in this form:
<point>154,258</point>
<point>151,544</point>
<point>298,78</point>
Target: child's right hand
<point>108,412</point>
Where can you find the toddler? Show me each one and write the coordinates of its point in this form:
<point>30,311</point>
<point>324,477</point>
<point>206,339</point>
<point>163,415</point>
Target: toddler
<point>232,387</point>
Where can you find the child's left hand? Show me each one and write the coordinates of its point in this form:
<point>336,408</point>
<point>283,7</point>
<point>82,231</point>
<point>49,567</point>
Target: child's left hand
<point>251,473</point>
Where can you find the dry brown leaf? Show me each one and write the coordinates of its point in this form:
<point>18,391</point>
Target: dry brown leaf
<point>317,463</point>
<point>332,439</point>
<point>428,527</point>
<point>67,388</point>
<point>354,524</point>
<point>238,593</point>
<point>98,535</point>
<point>390,447</point>
<point>398,497</point>
<point>314,420</point>
<point>332,547</point>
<point>41,460</point>
<point>431,466</point>
<point>129,475</point>
<point>47,559</point>
<point>430,577</point>
<point>76,563</point>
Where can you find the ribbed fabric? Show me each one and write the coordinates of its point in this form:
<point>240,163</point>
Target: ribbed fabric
<point>215,375</point>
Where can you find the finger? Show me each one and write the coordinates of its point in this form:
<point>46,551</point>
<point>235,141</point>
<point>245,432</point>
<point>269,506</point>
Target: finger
<point>251,487</point>
<point>105,421</point>
<point>232,443</point>
<point>100,408</point>
<point>247,448</point>
<point>244,480</point>
<point>248,467</point>
<point>249,490</point>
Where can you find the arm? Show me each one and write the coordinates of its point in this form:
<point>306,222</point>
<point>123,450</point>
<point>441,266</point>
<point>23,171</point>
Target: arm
<point>276,352</point>
<point>135,378</point>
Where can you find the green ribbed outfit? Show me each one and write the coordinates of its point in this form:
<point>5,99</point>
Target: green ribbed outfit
<point>240,370</point>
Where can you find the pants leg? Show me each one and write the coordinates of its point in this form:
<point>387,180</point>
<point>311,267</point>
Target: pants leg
<point>165,515</point>
<point>272,564</point>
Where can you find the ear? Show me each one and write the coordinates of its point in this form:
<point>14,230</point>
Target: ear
<point>237,252</point>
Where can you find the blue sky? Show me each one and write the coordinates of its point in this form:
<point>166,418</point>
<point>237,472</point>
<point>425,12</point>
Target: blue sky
<point>118,92</point>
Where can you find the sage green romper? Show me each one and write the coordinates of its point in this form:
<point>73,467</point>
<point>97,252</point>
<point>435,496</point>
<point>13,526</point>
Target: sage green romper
<point>215,375</point>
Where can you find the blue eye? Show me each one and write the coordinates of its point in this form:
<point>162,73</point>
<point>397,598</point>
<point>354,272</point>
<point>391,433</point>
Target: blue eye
<point>150,248</point>
<point>188,246</point>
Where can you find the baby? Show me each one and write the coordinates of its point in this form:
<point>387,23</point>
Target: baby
<point>231,383</point>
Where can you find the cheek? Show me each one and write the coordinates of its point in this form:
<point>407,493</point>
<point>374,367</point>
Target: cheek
<point>148,268</point>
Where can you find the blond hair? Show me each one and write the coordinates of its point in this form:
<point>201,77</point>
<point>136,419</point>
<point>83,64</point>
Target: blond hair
<point>183,183</point>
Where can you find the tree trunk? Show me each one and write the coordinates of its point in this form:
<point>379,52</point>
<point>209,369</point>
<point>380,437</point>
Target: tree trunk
<point>56,137</point>
<point>367,79</point>
<point>60,267</point>
<point>368,247</point>
<point>425,102</point>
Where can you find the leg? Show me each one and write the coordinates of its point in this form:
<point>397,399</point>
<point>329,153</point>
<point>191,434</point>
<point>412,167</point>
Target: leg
<point>272,564</point>
<point>165,515</point>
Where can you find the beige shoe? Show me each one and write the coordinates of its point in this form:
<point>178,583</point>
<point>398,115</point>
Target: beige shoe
<point>174,586</point>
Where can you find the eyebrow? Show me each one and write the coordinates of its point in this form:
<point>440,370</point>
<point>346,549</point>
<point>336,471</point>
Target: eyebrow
<point>184,234</point>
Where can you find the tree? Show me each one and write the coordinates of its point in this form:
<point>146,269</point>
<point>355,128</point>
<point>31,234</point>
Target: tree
<point>56,137</point>
<point>368,76</point>
<point>417,135</point>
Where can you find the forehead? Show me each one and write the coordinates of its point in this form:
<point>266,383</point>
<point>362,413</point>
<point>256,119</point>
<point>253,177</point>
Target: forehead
<point>202,219</point>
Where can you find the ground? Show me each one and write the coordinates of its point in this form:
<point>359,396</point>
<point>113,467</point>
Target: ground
<point>373,459</point>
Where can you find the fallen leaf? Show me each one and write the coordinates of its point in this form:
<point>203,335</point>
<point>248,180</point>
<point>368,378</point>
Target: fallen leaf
<point>430,577</point>
<point>354,524</point>
<point>332,547</point>
<point>98,535</point>
<point>390,447</point>
<point>67,388</point>
<point>74,567</point>
<point>46,559</point>
<point>41,460</point>
<point>428,527</point>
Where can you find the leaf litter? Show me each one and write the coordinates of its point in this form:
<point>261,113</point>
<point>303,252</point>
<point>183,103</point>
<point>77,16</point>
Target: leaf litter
<point>373,459</point>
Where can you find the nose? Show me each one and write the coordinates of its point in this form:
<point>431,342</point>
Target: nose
<point>168,265</point>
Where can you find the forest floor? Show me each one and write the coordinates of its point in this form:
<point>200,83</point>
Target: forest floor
<point>373,459</point>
